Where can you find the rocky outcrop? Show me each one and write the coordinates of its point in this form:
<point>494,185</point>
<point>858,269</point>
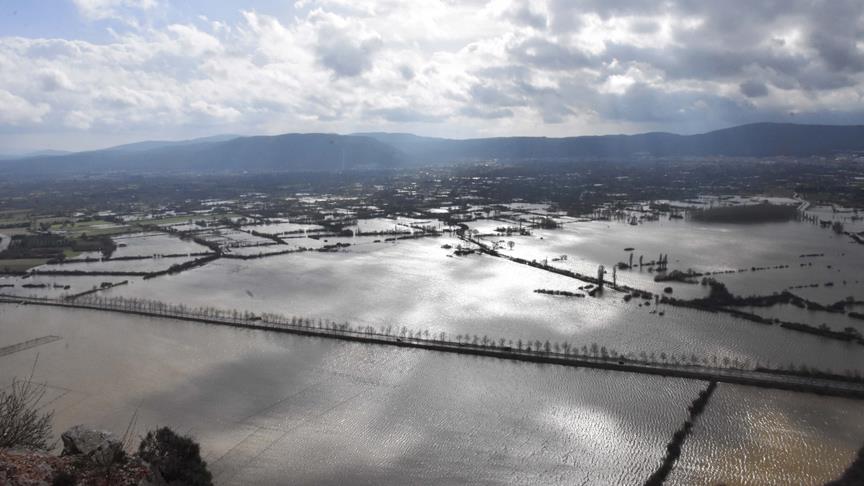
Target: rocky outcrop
<point>25,467</point>
<point>98,446</point>
<point>90,457</point>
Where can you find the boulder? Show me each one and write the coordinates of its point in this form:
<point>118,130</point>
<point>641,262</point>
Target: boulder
<point>100,446</point>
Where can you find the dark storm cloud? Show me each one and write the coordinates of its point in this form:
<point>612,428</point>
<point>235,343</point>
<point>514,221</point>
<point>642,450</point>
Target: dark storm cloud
<point>838,52</point>
<point>753,89</point>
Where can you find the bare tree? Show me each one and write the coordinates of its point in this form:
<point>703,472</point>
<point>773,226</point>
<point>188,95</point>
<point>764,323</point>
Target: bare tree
<point>22,422</point>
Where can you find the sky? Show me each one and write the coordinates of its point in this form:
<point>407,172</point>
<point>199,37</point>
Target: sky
<point>82,74</point>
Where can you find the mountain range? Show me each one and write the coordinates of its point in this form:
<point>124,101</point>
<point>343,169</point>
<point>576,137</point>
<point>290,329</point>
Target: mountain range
<point>330,152</point>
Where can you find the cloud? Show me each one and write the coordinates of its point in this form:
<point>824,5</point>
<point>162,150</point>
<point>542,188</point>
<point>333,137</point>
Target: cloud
<point>497,67</point>
<point>78,120</point>
<point>344,47</point>
<point>18,111</point>
<point>54,80</point>
<point>490,95</point>
<point>753,89</point>
<point>647,104</point>
<point>524,13</point>
<point>194,42</point>
<point>475,112</point>
<point>406,71</point>
<point>404,114</point>
<point>105,9</point>
<point>544,54</point>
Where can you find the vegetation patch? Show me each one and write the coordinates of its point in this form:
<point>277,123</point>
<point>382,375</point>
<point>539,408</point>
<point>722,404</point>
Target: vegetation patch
<point>54,247</point>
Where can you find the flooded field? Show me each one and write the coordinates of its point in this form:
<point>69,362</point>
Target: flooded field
<point>119,266</point>
<point>749,436</point>
<point>813,255</point>
<point>282,228</point>
<point>150,244</point>
<point>55,286</point>
<point>267,406</point>
<point>415,283</point>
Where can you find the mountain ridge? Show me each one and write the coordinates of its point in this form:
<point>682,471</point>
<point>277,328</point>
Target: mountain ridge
<point>381,150</point>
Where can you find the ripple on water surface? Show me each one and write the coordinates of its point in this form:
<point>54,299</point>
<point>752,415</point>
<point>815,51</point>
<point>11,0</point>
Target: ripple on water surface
<point>751,436</point>
<point>267,406</point>
<point>415,284</point>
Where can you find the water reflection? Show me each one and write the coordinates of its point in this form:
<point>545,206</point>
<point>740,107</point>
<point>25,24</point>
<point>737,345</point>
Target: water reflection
<point>269,406</point>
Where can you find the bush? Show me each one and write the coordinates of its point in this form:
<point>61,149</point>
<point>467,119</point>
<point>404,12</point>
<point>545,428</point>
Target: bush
<point>178,458</point>
<point>21,422</point>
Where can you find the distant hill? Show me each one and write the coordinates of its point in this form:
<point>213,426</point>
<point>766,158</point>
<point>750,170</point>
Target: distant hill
<point>291,152</point>
<point>38,153</point>
<point>327,152</point>
<point>154,144</point>
<point>754,140</point>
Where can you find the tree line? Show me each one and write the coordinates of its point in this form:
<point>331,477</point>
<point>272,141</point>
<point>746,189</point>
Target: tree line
<point>550,348</point>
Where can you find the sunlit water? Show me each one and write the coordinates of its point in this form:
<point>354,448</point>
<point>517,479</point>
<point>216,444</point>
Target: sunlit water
<point>148,244</point>
<point>274,408</point>
<point>270,406</point>
<point>704,247</point>
<point>415,283</point>
<point>750,436</point>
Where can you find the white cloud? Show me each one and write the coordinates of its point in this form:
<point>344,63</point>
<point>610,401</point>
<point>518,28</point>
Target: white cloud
<point>193,42</point>
<point>104,9</point>
<point>54,80</point>
<point>18,111</point>
<point>554,67</point>
<point>346,48</point>
<point>78,120</point>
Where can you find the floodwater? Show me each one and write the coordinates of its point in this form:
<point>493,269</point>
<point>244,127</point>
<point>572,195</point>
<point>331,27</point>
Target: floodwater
<point>146,265</point>
<point>414,283</point>
<point>274,408</point>
<point>55,286</point>
<point>751,436</point>
<point>835,320</point>
<point>148,244</point>
<point>269,406</point>
<point>704,247</point>
<point>283,228</point>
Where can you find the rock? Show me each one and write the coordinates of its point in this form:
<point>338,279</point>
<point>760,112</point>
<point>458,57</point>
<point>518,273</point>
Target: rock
<point>100,446</point>
<point>23,467</point>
